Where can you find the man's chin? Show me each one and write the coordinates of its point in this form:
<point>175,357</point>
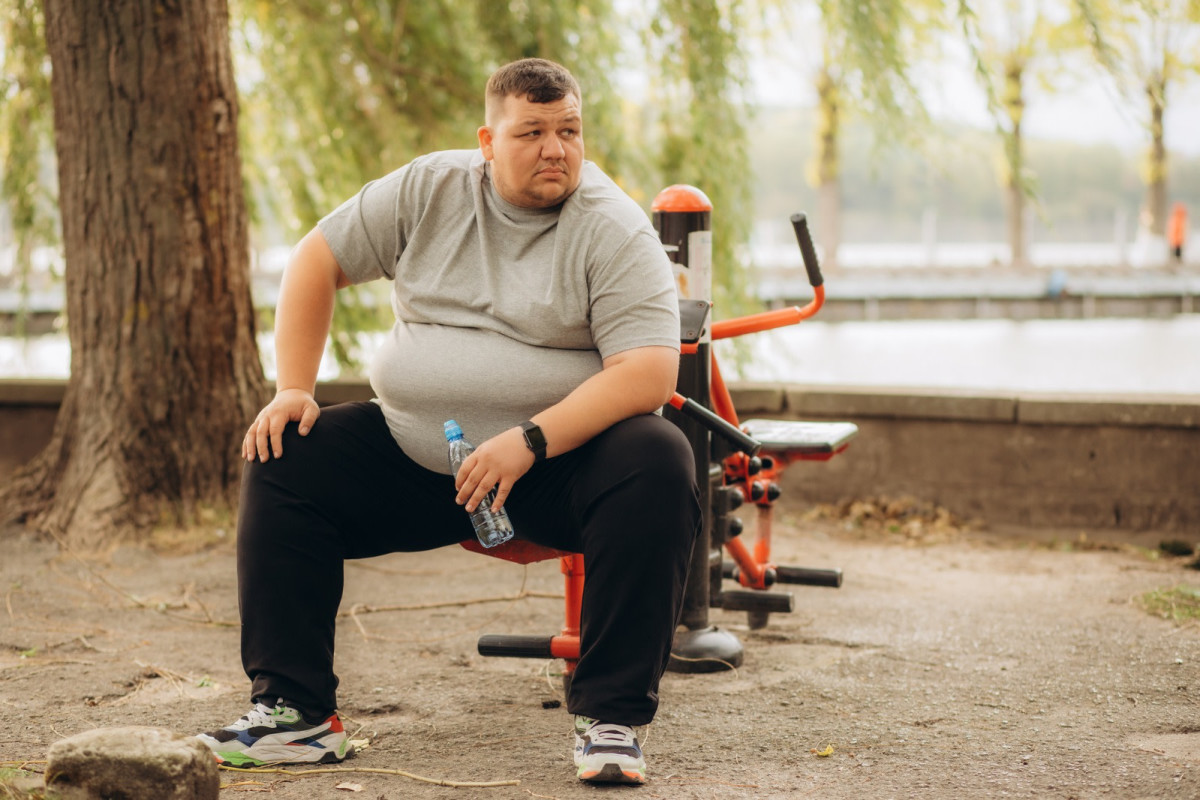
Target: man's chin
<point>548,197</point>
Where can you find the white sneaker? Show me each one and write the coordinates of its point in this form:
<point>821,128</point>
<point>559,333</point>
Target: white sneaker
<point>279,735</point>
<point>607,753</point>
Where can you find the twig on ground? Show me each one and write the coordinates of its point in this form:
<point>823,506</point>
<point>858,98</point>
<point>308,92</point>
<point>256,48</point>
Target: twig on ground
<point>358,623</point>
<point>133,598</point>
<point>521,594</point>
<point>362,608</point>
<point>417,573</point>
<point>554,690</point>
<point>732,668</point>
<point>542,796</point>
<point>374,771</point>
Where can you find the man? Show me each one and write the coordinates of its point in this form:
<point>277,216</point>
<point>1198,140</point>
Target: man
<point>535,305</point>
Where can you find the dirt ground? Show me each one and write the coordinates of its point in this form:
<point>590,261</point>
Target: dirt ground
<point>996,664</point>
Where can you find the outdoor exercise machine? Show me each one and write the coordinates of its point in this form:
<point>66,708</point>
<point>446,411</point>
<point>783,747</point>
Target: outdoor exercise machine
<point>742,461</point>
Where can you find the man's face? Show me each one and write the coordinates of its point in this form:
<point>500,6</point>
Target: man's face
<point>536,149</point>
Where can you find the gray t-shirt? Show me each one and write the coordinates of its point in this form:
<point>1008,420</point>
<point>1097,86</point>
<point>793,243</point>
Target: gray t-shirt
<point>501,311</point>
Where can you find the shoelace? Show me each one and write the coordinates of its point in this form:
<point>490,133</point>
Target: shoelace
<point>259,715</point>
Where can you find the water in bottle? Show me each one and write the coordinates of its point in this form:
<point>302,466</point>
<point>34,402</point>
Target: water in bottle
<point>492,527</point>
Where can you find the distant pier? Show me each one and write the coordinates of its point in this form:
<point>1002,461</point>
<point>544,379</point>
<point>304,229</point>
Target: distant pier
<point>855,294</point>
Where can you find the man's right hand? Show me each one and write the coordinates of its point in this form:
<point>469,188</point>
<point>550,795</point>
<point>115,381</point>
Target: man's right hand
<point>265,436</point>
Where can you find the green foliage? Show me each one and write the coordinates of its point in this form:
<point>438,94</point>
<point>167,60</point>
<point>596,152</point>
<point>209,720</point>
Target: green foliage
<point>870,47</point>
<point>1147,47</point>
<point>337,94</point>
<point>696,125</point>
<point>26,129</point>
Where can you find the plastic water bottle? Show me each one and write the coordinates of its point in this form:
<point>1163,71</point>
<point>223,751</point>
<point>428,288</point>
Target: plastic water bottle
<point>492,527</point>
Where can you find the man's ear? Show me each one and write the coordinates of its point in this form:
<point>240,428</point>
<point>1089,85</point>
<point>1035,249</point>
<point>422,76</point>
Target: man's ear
<point>485,141</point>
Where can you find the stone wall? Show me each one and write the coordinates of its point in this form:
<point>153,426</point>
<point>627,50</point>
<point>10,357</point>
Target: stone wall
<point>1044,461</point>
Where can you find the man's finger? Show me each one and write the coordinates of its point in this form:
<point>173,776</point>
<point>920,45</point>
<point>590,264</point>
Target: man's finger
<point>485,485</point>
<point>261,444</point>
<point>278,421</point>
<point>502,494</point>
<point>311,412</point>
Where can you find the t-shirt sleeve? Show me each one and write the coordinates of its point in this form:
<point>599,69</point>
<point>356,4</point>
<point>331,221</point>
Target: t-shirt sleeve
<point>366,233</point>
<point>633,298</point>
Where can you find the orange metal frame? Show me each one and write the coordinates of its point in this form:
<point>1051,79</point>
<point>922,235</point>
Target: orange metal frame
<point>752,566</point>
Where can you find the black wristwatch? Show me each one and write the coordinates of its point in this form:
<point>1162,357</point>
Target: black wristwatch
<point>535,440</point>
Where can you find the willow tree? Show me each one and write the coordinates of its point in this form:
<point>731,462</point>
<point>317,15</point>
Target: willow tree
<point>1148,47</point>
<point>164,367</point>
<point>691,121</point>
<point>1014,43</point>
<point>340,93</point>
<point>859,57</point>
<point>25,134</point>
<point>867,51</point>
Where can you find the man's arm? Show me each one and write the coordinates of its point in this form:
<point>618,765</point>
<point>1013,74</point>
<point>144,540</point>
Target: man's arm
<point>302,319</point>
<point>633,382</point>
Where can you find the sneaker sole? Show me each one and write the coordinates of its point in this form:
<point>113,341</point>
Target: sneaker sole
<point>242,759</point>
<point>611,773</point>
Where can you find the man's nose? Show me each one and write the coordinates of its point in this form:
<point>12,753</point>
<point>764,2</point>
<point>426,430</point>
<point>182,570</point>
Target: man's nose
<point>552,148</point>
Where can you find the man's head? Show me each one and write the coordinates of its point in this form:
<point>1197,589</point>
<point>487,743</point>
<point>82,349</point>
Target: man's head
<point>533,133</point>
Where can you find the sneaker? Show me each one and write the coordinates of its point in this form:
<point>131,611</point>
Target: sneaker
<point>279,735</point>
<point>607,753</point>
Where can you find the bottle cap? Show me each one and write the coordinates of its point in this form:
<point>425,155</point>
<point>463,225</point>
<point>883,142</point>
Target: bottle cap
<point>452,430</point>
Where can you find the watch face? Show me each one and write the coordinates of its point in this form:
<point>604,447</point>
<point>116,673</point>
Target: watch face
<point>534,439</point>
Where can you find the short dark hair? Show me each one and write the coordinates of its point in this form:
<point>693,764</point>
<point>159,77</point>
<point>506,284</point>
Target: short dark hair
<point>535,79</point>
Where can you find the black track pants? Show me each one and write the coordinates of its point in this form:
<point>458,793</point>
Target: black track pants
<point>627,500</point>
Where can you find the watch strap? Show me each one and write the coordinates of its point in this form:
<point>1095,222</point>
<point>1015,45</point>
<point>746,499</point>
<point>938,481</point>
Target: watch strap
<point>535,440</point>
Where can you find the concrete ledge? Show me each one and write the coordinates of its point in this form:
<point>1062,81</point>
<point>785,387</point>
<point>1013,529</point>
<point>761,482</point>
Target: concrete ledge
<point>32,392</point>
<point>1171,411</point>
<point>882,402</point>
<point>898,403</point>
<point>1036,460</point>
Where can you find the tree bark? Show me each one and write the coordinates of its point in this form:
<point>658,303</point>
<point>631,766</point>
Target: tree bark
<point>828,169</point>
<point>165,373</point>
<point>1014,190</point>
<point>1156,159</point>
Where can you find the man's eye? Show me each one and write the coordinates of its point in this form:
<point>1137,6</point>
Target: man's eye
<point>570,133</point>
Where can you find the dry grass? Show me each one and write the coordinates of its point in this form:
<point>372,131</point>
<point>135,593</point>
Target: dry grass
<point>1178,604</point>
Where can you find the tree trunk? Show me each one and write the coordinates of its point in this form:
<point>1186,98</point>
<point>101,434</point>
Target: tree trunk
<point>165,373</point>
<point>1156,160</point>
<point>828,170</point>
<point>1014,188</point>
<point>1014,202</point>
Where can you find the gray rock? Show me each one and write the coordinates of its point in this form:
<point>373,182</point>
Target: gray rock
<point>132,763</point>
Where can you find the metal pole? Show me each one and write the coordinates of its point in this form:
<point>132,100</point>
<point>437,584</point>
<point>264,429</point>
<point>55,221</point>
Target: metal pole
<point>683,219</point>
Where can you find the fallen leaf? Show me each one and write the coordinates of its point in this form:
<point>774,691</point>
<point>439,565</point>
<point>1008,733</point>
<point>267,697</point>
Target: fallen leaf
<point>828,751</point>
<point>349,787</point>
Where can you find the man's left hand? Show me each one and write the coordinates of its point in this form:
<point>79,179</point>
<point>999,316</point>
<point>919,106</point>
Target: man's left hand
<point>497,463</point>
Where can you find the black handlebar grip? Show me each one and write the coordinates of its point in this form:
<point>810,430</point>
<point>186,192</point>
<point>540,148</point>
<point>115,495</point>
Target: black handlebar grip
<point>831,578</point>
<point>811,265</point>
<point>718,425</point>
<point>515,645</point>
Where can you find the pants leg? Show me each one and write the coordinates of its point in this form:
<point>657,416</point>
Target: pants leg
<point>346,490</point>
<point>628,501</point>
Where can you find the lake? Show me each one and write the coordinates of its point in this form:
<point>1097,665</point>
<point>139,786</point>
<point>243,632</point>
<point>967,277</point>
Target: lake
<point>1105,356</point>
